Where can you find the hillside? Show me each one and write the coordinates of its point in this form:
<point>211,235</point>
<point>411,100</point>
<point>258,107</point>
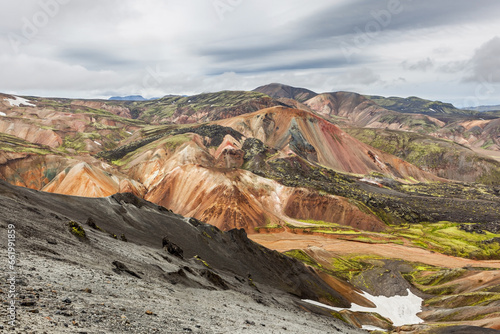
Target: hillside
<point>352,109</point>
<point>443,158</point>
<point>90,280</point>
<point>380,204</point>
<point>417,105</point>
<point>277,91</point>
<point>484,108</point>
<point>198,108</point>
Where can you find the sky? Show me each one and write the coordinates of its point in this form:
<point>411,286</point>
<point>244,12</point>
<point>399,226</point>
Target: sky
<point>444,50</point>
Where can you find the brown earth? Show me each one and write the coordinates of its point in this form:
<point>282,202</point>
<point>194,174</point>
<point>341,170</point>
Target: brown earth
<point>286,241</point>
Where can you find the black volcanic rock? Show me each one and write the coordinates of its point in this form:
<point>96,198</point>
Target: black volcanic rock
<point>146,225</point>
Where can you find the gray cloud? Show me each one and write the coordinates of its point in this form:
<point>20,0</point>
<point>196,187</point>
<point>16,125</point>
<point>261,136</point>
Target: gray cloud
<point>421,65</point>
<point>453,66</point>
<point>363,76</point>
<point>93,48</point>
<point>485,64</point>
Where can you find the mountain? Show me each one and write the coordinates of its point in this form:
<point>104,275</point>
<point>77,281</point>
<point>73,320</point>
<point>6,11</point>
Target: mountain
<point>127,98</point>
<point>443,158</point>
<point>277,91</point>
<point>318,141</point>
<point>371,208</point>
<point>353,109</point>
<point>198,108</point>
<point>417,105</point>
<point>484,108</point>
<point>74,250</point>
<point>476,133</point>
<point>270,168</point>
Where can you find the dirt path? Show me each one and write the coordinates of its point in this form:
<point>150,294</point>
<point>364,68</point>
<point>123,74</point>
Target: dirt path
<point>286,241</point>
<point>492,154</point>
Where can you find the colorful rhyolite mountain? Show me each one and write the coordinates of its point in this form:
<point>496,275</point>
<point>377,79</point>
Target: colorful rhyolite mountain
<point>207,171</point>
<point>297,170</point>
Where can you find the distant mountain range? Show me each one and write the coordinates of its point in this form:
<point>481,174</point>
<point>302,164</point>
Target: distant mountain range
<point>485,108</point>
<point>130,98</point>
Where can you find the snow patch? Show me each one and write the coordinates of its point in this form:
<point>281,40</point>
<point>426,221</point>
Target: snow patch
<point>402,310</point>
<point>371,181</point>
<point>97,143</point>
<point>3,114</point>
<point>17,101</point>
<point>432,109</point>
<point>372,328</point>
<point>130,133</point>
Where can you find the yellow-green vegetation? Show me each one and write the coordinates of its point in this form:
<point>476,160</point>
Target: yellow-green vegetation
<point>164,108</point>
<point>174,142</point>
<point>14,144</point>
<point>303,257</point>
<point>348,267</point>
<point>154,130</point>
<point>202,261</point>
<point>368,240</point>
<point>418,105</point>
<point>339,316</point>
<point>443,157</point>
<point>464,299</point>
<point>169,143</point>
<point>345,267</point>
<point>424,276</point>
<point>447,238</point>
<point>77,230</point>
<point>320,226</point>
<point>442,237</point>
<point>345,232</point>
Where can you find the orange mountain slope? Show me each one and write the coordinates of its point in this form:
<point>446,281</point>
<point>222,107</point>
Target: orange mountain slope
<point>317,140</point>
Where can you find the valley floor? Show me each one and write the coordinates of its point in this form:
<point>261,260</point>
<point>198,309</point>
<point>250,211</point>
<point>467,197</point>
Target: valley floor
<point>287,241</point>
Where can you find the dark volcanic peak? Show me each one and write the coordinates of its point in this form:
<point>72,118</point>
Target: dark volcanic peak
<point>277,90</point>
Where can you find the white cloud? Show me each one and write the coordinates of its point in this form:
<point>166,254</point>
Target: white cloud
<point>421,65</point>
<point>94,48</point>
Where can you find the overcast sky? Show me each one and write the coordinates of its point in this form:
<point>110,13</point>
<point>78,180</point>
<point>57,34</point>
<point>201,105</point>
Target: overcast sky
<point>437,49</point>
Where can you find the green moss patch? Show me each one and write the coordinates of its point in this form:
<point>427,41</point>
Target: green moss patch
<point>77,230</point>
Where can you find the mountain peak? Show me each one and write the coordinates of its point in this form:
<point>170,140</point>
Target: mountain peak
<point>277,90</point>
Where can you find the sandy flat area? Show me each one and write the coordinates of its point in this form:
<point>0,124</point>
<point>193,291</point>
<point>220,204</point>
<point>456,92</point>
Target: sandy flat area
<point>287,241</point>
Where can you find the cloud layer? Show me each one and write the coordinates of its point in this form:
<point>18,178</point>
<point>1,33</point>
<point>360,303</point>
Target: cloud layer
<point>443,49</point>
